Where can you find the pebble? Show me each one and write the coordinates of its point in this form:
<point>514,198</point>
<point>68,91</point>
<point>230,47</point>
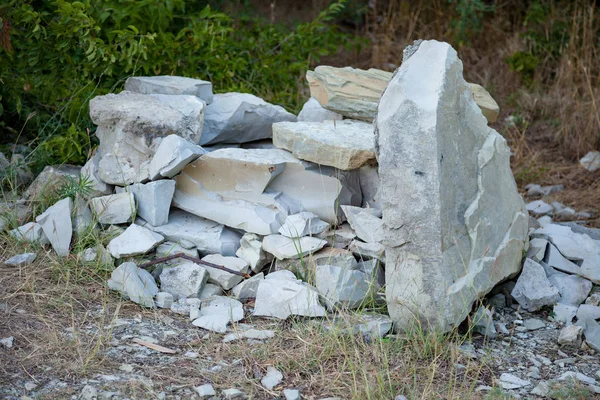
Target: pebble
<point>291,394</point>
<point>272,378</point>
<point>7,342</point>
<point>21,259</point>
<point>205,391</point>
<point>230,394</point>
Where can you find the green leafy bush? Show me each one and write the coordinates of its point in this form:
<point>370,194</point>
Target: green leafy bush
<point>62,53</point>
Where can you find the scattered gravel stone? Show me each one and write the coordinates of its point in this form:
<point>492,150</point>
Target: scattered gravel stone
<point>7,342</point>
<point>21,259</point>
<point>205,391</point>
<point>272,378</point>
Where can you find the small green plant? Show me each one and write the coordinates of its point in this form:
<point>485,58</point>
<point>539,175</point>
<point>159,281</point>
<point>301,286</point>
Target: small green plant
<point>75,187</point>
<point>469,18</point>
<point>524,63</point>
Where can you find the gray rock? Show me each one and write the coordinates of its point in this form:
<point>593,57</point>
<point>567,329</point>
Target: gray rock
<point>208,236</point>
<point>312,111</point>
<point>533,290</point>
<point>134,241</point>
<point>185,306</point>
<point>114,209</point>
<point>564,313</point>
<point>578,376</point>
<point>172,85</point>
<point>537,190</point>
<point>171,248</point>
<point>230,394</point>
<point>83,220</point>
<point>537,249</point>
<point>370,185</point>
<point>50,180</point>
<point>483,323</point>
<point>591,161</point>
<point>571,336</point>
<point>283,275</point>
<point>539,207</point>
<point>573,289</point>
<point>172,155</point>
<point>240,118</point>
<point>131,127</point>
<point>291,394</point>
<point>588,311</point>
<point>281,298</point>
<point>98,255</point>
<point>88,393</point>
<point>251,251</point>
<point>134,283</point>
<point>163,300</point>
<point>368,227</point>
<point>217,312</point>
<point>341,287</point>
<point>339,237</point>
<point>510,381</point>
<point>183,280</point>
<point>303,224</point>
<point>556,260</point>
<point>90,172</point>
<point>210,290</point>
<point>225,279</point>
<point>247,289</point>
<point>593,299</point>
<point>57,225</point>
<point>30,232</point>
<point>367,251</point>
<point>272,378</point>
<point>153,200</point>
<point>346,144</point>
<point>594,233</point>
<point>205,391</point>
<point>21,259</point>
<point>283,247</point>
<point>533,324</point>
<point>7,342</point>
<point>326,256</point>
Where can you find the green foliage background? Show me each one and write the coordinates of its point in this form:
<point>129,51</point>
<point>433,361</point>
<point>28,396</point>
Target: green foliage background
<point>66,52</point>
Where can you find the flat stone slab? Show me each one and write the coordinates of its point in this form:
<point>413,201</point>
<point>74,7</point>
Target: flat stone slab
<point>283,247</point>
<point>134,241</point>
<point>57,225</point>
<point>21,259</point>
<point>346,144</point>
<point>223,278</point>
<point>183,280</point>
<point>114,209</point>
<point>172,155</point>
<point>166,84</point>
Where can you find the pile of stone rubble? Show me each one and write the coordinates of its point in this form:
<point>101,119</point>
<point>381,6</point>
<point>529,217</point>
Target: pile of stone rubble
<point>387,188</point>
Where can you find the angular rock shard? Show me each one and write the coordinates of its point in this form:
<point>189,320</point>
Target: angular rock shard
<point>312,111</point>
<point>57,225</point>
<point>153,200</point>
<point>134,283</point>
<point>223,278</point>
<point>251,251</point>
<point>134,241</point>
<point>166,84</point>
<point>240,118</point>
<point>90,172</point>
<point>131,127</point>
<point>366,223</point>
<point>303,224</point>
<point>455,224</point>
<point>341,287</point>
<point>486,102</point>
<point>183,280</point>
<point>533,290</point>
<point>114,209</point>
<point>172,155</point>
<point>346,144</point>
<point>281,298</point>
<point>283,247</point>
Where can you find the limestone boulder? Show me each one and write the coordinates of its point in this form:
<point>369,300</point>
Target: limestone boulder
<point>455,224</point>
<point>131,126</point>
<point>352,92</point>
<point>312,111</point>
<point>114,209</point>
<point>172,155</point>
<point>172,85</point>
<point>208,236</point>
<point>240,118</point>
<point>56,224</point>
<point>134,241</point>
<point>346,144</point>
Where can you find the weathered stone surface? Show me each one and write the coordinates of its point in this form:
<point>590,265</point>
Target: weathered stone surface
<point>346,144</point>
<point>591,161</point>
<point>172,155</point>
<point>365,222</point>
<point>455,224</point>
<point>166,84</point>
<point>533,290</point>
<point>341,287</point>
<point>30,232</point>
<point>153,200</point>
<point>573,289</point>
<point>240,118</point>
<point>183,280</point>
<point>303,224</point>
<point>90,172</point>
<point>50,179</point>
<point>327,256</point>
<point>251,251</point>
<point>368,251</point>
<point>281,298</point>
<point>283,247</point>
<point>57,225</point>
<point>312,111</point>
<point>21,259</point>
<point>570,336</point>
<point>351,92</point>
<point>134,283</point>
<point>114,209</point>
<point>486,102</point>
<point>370,184</point>
<point>134,241</point>
<point>217,312</point>
<point>223,278</point>
<point>131,127</point>
<point>247,288</point>
<point>208,236</point>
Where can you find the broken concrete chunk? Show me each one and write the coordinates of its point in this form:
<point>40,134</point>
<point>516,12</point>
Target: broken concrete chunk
<point>153,200</point>
<point>172,155</point>
<point>172,85</point>
<point>533,290</point>
<point>312,111</point>
<point>225,279</point>
<point>251,251</point>
<point>240,118</point>
<point>57,225</point>
<point>283,247</point>
<point>351,92</point>
<point>341,287</point>
<point>114,209</point>
<point>367,226</point>
<point>281,298</point>
<point>183,280</point>
<point>303,224</point>
<point>134,283</point>
<point>208,236</point>
<point>346,144</point>
<point>448,193</point>
<point>134,241</point>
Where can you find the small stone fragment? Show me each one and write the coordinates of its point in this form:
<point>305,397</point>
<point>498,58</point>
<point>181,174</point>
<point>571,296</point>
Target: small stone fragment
<point>164,300</point>
<point>539,207</point>
<point>134,241</point>
<point>368,227</point>
<point>205,391</point>
<point>251,251</point>
<point>341,287</point>
<point>57,225</point>
<point>21,259</point>
<point>510,381</point>
<point>114,209</point>
<point>483,323</point>
<point>591,161</point>
<point>170,85</point>
<point>272,378</point>
<point>247,288</point>
<point>281,298</point>
<point>571,336</point>
<point>172,155</point>
<point>283,247</point>
<point>225,279</point>
<point>134,283</point>
<point>7,342</point>
<point>312,111</point>
<point>153,200</point>
<point>303,224</point>
<point>533,290</point>
<point>30,232</point>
